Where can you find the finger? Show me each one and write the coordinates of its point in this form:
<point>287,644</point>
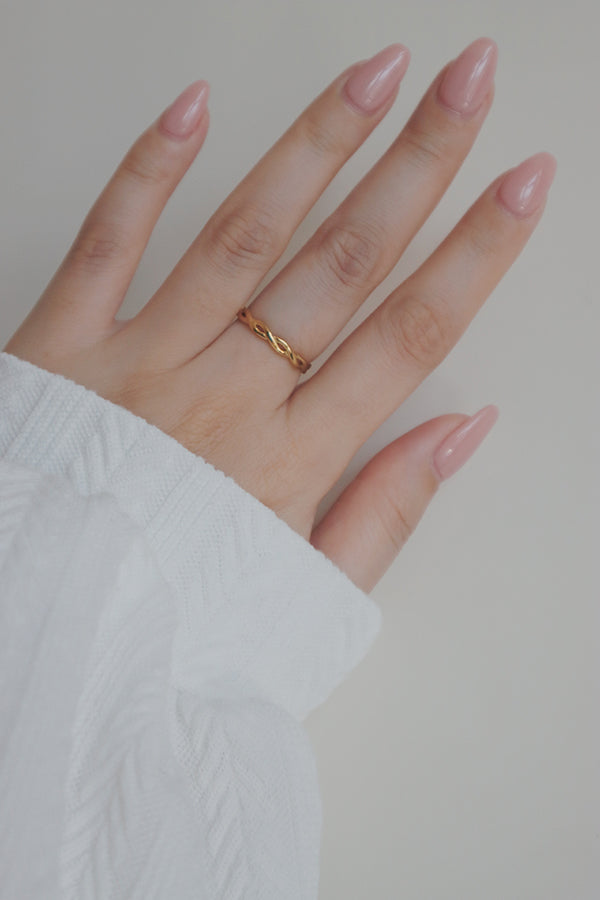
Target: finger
<point>411,332</point>
<point>251,229</point>
<point>315,295</point>
<point>91,282</point>
<point>373,518</point>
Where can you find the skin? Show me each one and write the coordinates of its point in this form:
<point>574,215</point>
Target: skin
<point>185,364</point>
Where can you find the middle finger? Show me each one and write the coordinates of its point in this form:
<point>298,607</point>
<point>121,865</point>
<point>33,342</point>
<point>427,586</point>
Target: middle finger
<point>316,294</point>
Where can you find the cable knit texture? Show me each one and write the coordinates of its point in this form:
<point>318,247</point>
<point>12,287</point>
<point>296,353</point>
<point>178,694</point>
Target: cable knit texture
<point>162,636</point>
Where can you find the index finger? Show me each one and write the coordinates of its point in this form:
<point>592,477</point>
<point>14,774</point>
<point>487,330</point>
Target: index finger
<point>252,228</point>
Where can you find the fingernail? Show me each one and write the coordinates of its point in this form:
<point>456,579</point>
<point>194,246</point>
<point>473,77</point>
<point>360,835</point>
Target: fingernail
<point>461,443</point>
<point>372,84</point>
<point>183,115</point>
<point>469,78</point>
<point>524,188</point>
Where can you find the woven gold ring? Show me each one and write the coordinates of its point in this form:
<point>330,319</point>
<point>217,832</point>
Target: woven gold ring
<point>276,343</point>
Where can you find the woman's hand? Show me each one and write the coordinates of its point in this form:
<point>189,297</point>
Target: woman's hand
<point>186,364</point>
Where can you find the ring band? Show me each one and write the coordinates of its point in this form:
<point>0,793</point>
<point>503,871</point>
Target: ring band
<point>276,343</point>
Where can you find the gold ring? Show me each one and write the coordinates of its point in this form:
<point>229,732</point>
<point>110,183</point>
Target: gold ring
<point>276,343</point>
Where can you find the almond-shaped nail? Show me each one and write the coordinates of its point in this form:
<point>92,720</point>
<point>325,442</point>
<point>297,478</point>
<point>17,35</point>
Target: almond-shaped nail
<point>372,83</point>
<point>461,443</point>
<point>183,115</point>
<point>469,78</point>
<point>523,189</point>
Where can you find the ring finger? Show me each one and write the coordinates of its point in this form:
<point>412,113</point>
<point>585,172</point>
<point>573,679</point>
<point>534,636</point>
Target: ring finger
<point>315,295</point>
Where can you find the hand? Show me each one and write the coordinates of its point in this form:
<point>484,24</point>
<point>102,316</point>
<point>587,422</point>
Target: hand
<point>186,364</point>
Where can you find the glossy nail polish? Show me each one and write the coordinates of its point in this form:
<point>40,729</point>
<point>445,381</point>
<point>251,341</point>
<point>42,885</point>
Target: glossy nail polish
<point>469,78</point>
<point>524,188</point>
<point>372,83</point>
<point>461,443</point>
<point>183,115</point>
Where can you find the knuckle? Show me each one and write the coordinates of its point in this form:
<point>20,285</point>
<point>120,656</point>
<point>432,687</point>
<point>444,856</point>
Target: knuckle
<point>208,424</point>
<point>415,330</point>
<point>319,136</point>
<point>245,238</point>
<point>481,242</point>
<point>351,254</point>
<point>95,247</point>
<point>394,521</point>
<point>145,166</point>
<point>427,148</point>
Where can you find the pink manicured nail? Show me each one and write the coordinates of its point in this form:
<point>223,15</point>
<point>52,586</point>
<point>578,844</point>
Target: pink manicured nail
<point>184,114</point>
<point>469,78</point>
<point>524,188</point>
<point>372,84</point>
<point>461,443</point>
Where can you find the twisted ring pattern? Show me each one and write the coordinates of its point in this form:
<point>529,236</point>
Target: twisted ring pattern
<point>276,343</point>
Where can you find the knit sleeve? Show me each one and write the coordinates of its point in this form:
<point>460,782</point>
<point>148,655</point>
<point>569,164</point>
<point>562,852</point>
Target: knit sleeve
<point>86,628</point>
<point>154,673</point>
<point>256,603</point>
<point>115,784</point>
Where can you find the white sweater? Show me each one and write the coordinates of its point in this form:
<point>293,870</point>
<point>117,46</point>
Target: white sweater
<point>162,636</point>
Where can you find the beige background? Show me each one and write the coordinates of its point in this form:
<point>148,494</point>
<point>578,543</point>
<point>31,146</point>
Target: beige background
<point>460,760</point>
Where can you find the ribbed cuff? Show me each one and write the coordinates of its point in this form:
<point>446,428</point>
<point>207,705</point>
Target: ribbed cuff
<point>257,604</point>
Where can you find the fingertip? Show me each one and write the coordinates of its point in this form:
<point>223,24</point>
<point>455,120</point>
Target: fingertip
<point>523,189</point>
<point>375,81</point>
<point>181,119</point>
<point>462,442</point>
